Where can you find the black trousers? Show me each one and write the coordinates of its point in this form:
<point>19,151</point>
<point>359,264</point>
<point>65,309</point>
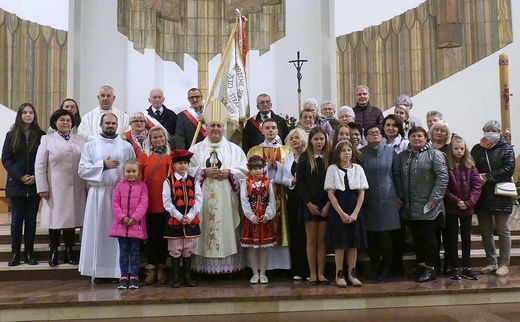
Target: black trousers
<point>68,237</point>
<point>380,250</point>
<point>424,240</point>
<point>297,237</point>
<point>451,251</point>
<point>156,245</point>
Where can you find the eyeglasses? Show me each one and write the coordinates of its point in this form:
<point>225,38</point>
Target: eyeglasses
<point>138,121</point>
<point>374,133</point>
<point>198,97</point>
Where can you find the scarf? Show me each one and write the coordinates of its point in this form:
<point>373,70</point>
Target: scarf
<point>488,144</point>
<point>139,139</point>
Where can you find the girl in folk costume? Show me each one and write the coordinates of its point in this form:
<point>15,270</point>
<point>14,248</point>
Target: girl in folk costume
<point>129,203</point>
<point>182,199</point>
<point>345,184</point>
<point>259,205</point>
<point>462,193</point>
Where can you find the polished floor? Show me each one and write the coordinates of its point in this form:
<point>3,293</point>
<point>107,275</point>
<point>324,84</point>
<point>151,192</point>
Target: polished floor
<point>282,299</point>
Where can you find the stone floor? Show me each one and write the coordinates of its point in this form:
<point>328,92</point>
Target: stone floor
<point>281,299</point>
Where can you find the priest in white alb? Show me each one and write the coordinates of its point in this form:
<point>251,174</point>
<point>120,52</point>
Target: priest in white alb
<point>101,165</point>
<point>89,127</point>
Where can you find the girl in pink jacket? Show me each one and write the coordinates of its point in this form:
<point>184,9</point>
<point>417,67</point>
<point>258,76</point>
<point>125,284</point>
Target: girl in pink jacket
<point>129,204</point>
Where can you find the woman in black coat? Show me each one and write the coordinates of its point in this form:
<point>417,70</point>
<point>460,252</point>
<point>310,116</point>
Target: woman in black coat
<point>495,161</point>
<point>18,157</point>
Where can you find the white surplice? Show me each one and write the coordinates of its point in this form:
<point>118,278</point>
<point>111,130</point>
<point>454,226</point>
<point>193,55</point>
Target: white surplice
<point>99,255</point>
<point>89,127</point>
<point>217,247</point>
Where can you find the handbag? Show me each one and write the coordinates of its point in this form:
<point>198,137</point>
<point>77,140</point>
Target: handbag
<point>506,189</point>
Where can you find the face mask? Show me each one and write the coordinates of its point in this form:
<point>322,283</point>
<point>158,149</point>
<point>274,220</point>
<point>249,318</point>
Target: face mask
<point>491,136</point>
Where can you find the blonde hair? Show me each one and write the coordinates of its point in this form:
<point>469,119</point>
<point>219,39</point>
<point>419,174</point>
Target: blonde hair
<point>439,124</point>
<point>148,145</point>
<point>466,159</point>
<point>137,116</point>
<point>304,137</point>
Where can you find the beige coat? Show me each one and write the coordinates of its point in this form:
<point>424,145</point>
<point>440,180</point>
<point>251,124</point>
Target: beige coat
<point>56,171</point>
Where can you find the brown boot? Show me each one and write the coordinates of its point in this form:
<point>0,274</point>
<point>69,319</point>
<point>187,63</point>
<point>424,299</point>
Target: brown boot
<point>150,274</point>
<point>161,274</point>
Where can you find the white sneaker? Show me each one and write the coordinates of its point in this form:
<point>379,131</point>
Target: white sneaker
<point>489,269</point>
<point>255,279</point>
<point>502,271</point>
<point>297,278</point>
<point>263,279</point>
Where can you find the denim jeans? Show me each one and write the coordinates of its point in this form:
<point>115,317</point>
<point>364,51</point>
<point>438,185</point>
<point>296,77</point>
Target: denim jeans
<point>23,212</point>
<point>485,222</point>
<point>129,260</point>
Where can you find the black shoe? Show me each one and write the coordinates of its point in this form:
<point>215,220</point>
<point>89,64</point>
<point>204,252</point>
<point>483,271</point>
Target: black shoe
<point>467,273</point>
<point>15,259</point>
<point>53,257</point>
<point>427,275</point>
<point>384,276</point>
<point>324,282</point>
<point>69,257</point>
<point>29,258</point>
<point>455,274</point>
<point>416,272</point>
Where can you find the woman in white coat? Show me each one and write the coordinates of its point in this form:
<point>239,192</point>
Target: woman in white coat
<point>59,185</point>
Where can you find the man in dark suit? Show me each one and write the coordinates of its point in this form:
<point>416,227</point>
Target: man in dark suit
<point>188,119</point>
<point>157,113</point>
<point>253,130</point>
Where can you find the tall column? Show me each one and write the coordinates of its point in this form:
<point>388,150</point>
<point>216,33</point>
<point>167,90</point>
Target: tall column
<point>97,53</point>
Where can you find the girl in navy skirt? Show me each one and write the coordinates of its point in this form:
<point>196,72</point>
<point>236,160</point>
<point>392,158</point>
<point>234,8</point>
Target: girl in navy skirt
<point>346,184</point>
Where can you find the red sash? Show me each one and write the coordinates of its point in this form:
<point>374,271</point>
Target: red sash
<point>256,124</point>
<point>195,123</point>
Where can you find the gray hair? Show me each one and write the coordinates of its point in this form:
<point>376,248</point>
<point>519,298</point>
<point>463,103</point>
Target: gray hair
<point>361,86</point>
<point>327,103</point>
<point>403,98</point>
<point>110,88</point>
<point>346,109</point>
<point>434,113</point>
<point>156,89</point>
<point>311,101</point>
<point>492,125</point>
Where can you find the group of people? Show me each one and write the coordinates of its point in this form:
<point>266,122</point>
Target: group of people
<point>354,181</point>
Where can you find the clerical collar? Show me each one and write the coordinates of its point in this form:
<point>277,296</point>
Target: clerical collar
<point>103,135</point>
<point>272,142</point>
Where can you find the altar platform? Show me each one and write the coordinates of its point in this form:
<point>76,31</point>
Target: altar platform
<point>280,300</point>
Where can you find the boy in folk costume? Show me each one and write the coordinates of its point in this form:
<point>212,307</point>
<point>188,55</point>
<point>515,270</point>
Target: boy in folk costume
<point>182,199</point>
